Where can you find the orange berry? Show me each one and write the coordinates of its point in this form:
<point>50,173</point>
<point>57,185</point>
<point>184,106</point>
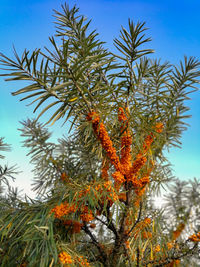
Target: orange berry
<point>159,127</point>
<point>65,258</point>
<point>64,177</point>
<point>157,248</point>
<point>92,225</point>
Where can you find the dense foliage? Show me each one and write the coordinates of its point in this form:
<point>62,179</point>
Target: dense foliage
<point>96,187</point>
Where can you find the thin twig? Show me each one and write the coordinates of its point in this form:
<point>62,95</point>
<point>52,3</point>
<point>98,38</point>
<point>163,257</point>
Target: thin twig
<point>95,242</point>
<point>98,219</point>
<point>138,219</point>
<point>138,258</point>
<point>111,225</point>
<point>80,90</point>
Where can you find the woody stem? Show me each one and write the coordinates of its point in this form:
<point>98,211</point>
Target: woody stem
<point>96,243</point>
<point>122,235</point>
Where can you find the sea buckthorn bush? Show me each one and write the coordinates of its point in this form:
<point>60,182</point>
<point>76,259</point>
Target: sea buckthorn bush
<point>96,186</point>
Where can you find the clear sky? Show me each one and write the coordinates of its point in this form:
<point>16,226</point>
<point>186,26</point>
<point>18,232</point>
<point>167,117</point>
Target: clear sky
<point>174,27</point>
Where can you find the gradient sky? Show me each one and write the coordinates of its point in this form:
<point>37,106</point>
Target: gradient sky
<point>173,25</point>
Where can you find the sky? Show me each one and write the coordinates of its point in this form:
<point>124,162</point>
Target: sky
<point>175,30</point>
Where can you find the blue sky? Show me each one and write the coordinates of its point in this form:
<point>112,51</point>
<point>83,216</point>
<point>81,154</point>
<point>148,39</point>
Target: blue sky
<point>173,25</point>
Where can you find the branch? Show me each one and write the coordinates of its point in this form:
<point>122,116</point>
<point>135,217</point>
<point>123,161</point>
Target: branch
<point>95,242</point>
<point>138,219</point>
<point>111,225</point>
<point>127,204</point>
<point>138,258</point>
<point>80,90</point>
<point>121,237</point>
<point>98,219</point>
<point>160,262</point>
